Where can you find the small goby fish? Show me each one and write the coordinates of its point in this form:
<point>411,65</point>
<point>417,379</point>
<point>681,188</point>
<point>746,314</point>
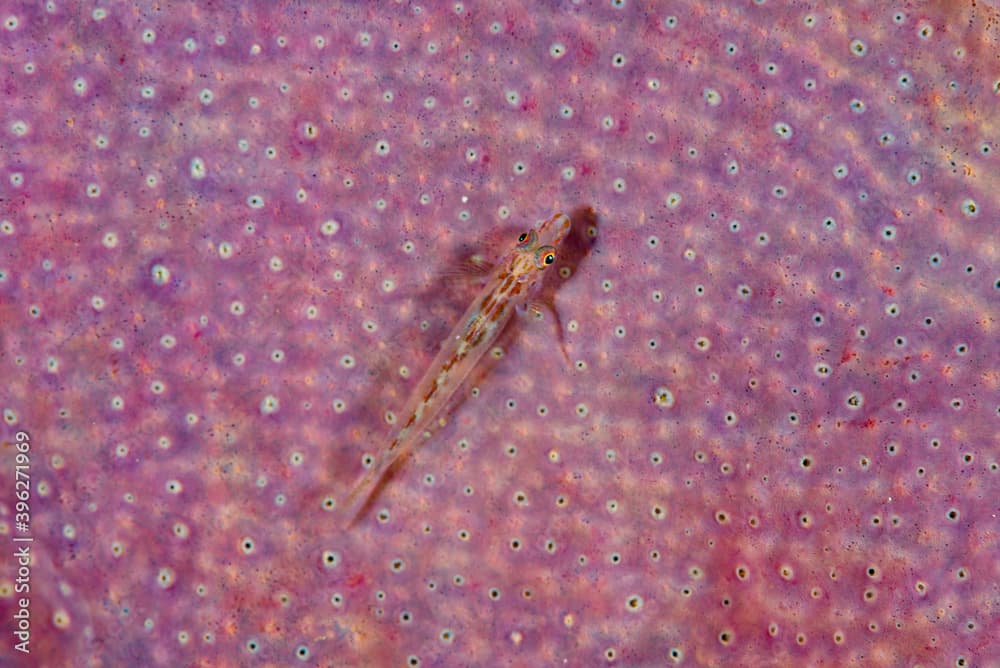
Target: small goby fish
<point>509,286</point>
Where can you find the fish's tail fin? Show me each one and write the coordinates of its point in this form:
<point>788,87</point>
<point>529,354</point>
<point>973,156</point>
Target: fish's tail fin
<point>359,500</point>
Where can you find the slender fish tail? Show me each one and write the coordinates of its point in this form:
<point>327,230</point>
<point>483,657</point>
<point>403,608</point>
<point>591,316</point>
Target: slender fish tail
<point>354,505</point>
<point>362,494</point>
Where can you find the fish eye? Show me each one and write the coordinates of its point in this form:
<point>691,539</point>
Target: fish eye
<point>545,256</point>
<point>521,239</point>
<point>526,239</point>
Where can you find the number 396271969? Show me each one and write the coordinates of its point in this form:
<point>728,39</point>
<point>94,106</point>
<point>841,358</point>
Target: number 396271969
<point>22,481</point>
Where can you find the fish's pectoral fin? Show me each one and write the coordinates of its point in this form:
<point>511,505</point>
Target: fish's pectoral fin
<point>471,270</point>
<point>537,308</point>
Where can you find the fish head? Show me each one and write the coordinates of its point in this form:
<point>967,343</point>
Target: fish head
<point>538,248</point>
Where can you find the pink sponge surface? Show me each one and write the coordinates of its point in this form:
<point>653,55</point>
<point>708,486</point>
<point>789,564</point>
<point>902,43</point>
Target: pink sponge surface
<point>229,235</point>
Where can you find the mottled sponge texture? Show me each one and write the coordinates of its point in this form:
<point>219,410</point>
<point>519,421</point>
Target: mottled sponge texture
<point>233,236</point>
